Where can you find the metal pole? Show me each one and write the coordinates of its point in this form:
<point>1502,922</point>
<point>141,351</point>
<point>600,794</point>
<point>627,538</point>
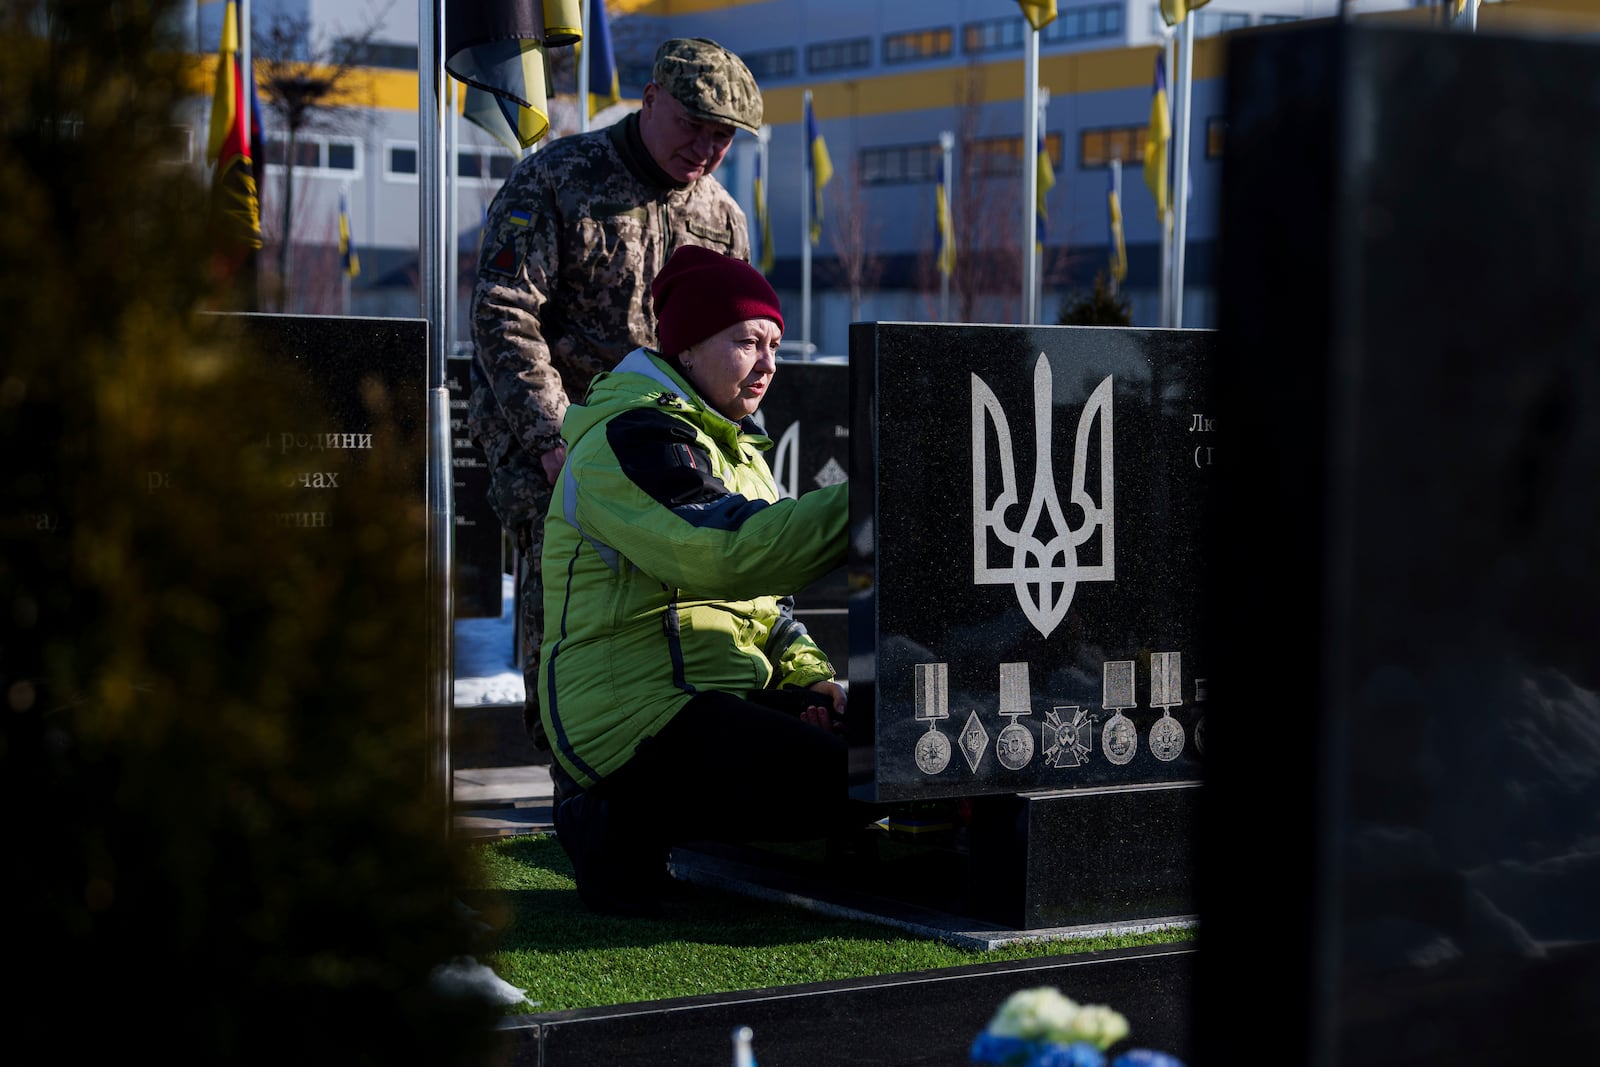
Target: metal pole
<point>452,189</point>
<point>440,476</point>
<point>1166,216</point>
<point>583,67</point>
<point>807,183</point>
<point>1030,181</point>
<point>1180,183</point>
<point>947,144</point>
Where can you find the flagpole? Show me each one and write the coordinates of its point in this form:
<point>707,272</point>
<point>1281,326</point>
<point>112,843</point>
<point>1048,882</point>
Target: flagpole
<point>1170,47</point>
<point>1180,183</point>
<point>807,184</point>
<point>440,489</point>
<point>452,188</point>
<point>1030,181</point>
<point>583,66</point>
<point>947,144</point>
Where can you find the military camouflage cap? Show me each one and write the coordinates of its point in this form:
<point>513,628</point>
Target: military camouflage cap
<point>710,82</point>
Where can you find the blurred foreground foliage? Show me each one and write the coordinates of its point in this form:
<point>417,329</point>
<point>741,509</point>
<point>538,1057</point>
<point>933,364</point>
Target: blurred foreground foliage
<point>221,841</point>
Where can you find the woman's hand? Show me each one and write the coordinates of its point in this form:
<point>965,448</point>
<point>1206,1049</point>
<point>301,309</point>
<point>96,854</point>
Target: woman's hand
<point>828,712</point>
<point>552,461</point>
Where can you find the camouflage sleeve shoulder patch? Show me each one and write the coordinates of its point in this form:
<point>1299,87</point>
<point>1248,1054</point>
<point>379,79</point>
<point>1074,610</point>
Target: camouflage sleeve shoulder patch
<point>505,249</point>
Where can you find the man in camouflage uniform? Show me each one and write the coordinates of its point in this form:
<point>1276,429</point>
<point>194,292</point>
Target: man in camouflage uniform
<point>570,246</point>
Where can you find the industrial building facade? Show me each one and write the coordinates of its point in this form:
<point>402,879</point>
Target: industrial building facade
<point>887,78</point>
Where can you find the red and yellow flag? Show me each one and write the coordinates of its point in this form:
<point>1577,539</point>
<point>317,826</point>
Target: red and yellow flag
<point>235,205</point>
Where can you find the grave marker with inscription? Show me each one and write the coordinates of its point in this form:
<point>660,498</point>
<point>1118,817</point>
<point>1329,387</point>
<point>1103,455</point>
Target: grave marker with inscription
<point>807,415</point>
<point>479,555</point>
<point>1028,514</point>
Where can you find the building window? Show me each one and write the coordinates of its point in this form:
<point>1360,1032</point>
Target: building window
<point>380,54</point>
<point>315,153</point>
<point>401,162</point>
<point>1216,137</point>
<point>905,164</point>
<point>1072,24</point>
<point>1079,23</point>
<point>1276,20</point>
<point>839,55</point>
<point>484,164</point>
<point>918,44</point>
<point>993,35</point>
<point>1001,157</point>
<point>1207,23</point>
<point>1097,148</point>
<point>772,65</point>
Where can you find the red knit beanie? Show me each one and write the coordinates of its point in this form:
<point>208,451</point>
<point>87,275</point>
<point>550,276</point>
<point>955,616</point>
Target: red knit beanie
<point>701,292</point>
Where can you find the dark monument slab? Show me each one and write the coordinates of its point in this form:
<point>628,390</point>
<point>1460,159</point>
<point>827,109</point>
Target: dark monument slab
<point>808,418</point>
<point>1400,856</point>
<point>479,542</point>
<point>365,387</point>
<point>1028,597</point>
<point>1027,528</point>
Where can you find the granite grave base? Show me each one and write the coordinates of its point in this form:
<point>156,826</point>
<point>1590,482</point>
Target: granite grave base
<point>920,1019</point>
<point>978,870</point>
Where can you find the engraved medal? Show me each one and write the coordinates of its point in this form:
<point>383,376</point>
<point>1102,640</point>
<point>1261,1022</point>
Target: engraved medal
<point>931,683</point>
<point>1119,738</point>
<point>1166,691</point>
<point>1014,745</point>
<point>1069,731</point>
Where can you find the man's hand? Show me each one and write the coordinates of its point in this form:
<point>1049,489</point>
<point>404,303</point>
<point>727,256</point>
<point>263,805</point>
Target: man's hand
<point>553,461</point>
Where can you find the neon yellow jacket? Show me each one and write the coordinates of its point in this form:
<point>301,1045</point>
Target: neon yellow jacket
<point>668,564</point>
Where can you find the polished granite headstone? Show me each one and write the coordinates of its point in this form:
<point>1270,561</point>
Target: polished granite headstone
<point>365,387</point>
<point>479,557</point>
<point>1028,516</point>
<point>1400,861</point>
<point>807,415</point>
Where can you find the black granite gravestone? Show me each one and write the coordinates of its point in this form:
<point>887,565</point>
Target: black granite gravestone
<point>1401,828</point>
<point>355,375</point>
<point>1028,514</point>
<point>364,384</point>
<point>808,417</point>
<point>479,541</point>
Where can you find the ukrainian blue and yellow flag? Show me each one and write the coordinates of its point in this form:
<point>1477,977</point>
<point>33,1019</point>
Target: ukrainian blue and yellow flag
<point>498,50</point>
<point>944,241</point>
<point>603,87</point>
<point>821,170</point>
<point>1119,250</point>
<point>1047,181</point>
<point>349,262</point>
<point>1157,136</point>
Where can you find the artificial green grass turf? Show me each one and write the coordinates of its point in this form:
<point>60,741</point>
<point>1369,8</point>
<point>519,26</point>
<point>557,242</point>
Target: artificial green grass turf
<point>544,940</point>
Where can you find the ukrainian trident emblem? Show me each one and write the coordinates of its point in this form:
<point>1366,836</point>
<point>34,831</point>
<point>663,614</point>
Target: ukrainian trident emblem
<point>1046,565</point>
